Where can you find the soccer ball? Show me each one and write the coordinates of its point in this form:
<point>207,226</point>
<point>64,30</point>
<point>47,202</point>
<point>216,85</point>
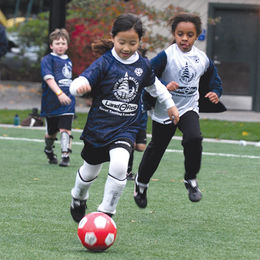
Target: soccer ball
<point>97,231</point>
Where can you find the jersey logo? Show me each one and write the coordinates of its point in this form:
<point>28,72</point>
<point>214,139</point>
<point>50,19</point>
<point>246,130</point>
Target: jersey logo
<point>67,71</point>
<point>187,74</point>
<point>126,88</point>
<point>139,72</point>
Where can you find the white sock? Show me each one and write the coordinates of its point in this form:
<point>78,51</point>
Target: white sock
<point>80,189</point>
<point>112,193</point>
<point>85,176</point>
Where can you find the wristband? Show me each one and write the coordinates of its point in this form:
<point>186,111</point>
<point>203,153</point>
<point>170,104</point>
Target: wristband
<point>59,92</point>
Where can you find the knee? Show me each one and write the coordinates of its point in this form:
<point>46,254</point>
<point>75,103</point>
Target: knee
<point>194,140</point>
<point>118,169</point>
<point>140,147</point>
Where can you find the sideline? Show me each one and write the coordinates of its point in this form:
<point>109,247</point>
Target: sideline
<point>208,140</point>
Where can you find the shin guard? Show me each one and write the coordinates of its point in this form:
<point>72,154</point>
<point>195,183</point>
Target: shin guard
<point>112,193</point>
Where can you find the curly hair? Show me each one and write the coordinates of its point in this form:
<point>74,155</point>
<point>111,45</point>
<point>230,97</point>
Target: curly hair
<point>185,17</point>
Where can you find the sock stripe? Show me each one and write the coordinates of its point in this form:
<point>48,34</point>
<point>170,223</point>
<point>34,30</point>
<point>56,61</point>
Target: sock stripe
<point>85,180</point>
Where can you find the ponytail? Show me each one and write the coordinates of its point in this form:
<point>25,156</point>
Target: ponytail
<point>99,47</point>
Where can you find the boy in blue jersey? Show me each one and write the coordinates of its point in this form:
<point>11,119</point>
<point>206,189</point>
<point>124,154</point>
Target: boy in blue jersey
<point>58,105</point>
<point>180,67</point>
<point>116,81</point>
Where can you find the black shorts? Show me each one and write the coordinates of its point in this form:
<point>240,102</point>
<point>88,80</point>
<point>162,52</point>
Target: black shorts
<point>99,155</point>
<point>141,137</point>
<point>55,123</point>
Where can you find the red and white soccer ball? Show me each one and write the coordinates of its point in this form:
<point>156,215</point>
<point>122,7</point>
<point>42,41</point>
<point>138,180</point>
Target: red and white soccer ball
<point>97,231</point>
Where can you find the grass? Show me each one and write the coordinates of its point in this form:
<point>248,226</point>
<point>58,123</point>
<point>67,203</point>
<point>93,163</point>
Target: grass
<point>248,131</point>
<point>35,222</point>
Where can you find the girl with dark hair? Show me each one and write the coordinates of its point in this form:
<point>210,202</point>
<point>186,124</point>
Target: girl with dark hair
<point>116,81</point>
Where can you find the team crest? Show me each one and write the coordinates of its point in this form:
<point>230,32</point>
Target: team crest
<point>139,72</point>
<point>126,88</point>
<point>187,74</point>
<point>67,71</point>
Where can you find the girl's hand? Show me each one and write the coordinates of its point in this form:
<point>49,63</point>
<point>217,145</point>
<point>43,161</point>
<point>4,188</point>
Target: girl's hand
<point>172,86</point>
<point>213,97</point>
<point>173,114</point>
<point>79,86</point>
<point>64,99</point>
<point>83,89</point>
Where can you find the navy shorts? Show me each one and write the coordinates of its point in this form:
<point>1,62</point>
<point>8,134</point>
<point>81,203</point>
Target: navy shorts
<point>55,123</point>
<point>94,156</point>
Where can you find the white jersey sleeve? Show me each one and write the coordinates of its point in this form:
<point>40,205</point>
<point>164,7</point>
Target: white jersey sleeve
<point>160,91</point>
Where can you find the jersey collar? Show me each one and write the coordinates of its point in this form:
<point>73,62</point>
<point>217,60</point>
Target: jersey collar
<point>130,60</point>
<point>64,56</point>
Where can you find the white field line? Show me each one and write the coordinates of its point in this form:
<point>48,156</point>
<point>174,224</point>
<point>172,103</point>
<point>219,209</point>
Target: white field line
<point>208,140</point>
<point>219,154</point>
<point>167,150</point>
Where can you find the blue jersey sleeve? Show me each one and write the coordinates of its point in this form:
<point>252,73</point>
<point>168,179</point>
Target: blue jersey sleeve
<point>210,80</point>
<point>46,66</point>
<point>96,72</point>
<point>158,64</point>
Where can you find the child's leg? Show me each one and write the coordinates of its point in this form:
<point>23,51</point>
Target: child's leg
<point>161,136</point>
<point>192,143</point>
<point>85,176</point>
<point>130,162</point>
<point>116,180</point>
<point>64,125</point>
<point>130,175</point>
<point>50,137</point>
<point>192,148</point>
<point>66,142</point>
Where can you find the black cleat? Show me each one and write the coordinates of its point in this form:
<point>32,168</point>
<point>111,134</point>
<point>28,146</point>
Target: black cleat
<point>65,161</point>
<point>130,176</point>
<point>193,189</point>
<point>52,158</point>
<point>140,196</point>
<point>78,209</point>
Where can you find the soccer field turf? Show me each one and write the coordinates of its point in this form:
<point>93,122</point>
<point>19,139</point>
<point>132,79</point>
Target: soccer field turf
<point>35,221</point>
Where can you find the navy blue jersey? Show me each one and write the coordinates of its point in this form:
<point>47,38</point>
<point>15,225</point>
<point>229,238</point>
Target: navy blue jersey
<point>116,109</point>
<point>59,68</point>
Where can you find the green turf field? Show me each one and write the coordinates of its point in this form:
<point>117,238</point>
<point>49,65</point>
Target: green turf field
<point>35,222</point>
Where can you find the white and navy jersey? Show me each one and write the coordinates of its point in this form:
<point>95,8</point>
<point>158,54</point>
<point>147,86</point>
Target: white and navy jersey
<point>116,88</point>
<point>60,69</point>
<point>185,68</point>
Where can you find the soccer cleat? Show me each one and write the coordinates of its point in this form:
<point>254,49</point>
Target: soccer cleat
<point>78,209</point>
<point>140,196</point>
<point>193,189</point>
<point>52,158</point>
<point>130,176</point>
<point>65,161</point>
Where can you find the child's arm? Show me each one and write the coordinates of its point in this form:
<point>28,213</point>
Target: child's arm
<point>63,98</point>
<point>211,84</point>
<point>160,91</point>
<point>79,86</point>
